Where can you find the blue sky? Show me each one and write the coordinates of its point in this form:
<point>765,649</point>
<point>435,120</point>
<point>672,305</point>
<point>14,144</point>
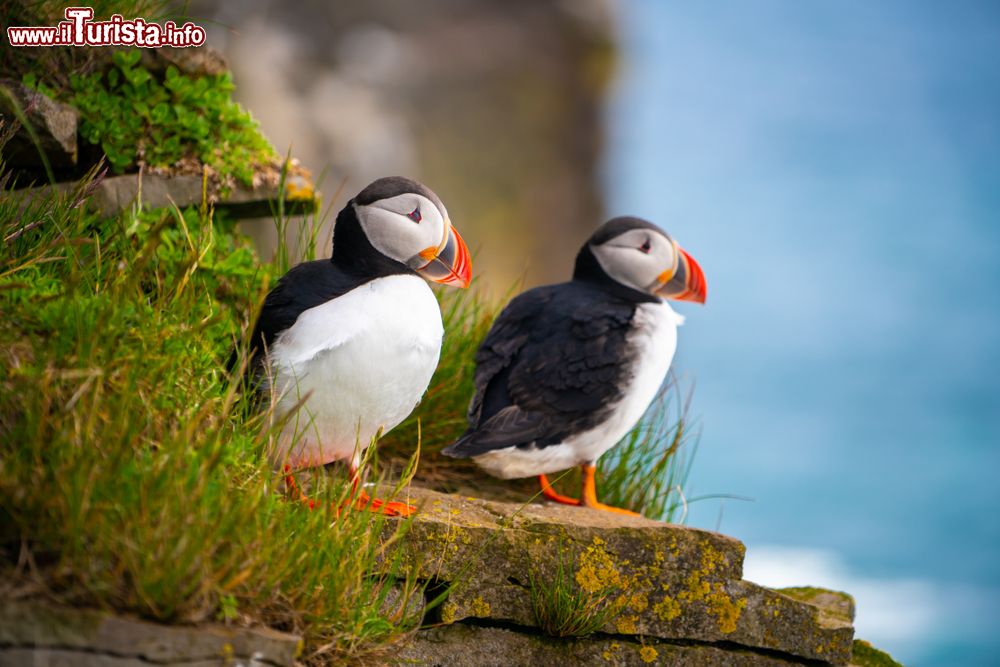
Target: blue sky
<point>835,169</point>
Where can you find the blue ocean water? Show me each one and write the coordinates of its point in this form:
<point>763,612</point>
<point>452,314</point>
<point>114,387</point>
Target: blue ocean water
<point>835,168</point>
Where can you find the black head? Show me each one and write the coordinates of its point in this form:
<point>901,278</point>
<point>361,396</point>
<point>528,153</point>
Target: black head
<point>397,225</point>
<point>389,187</point>
<point>639,261</point>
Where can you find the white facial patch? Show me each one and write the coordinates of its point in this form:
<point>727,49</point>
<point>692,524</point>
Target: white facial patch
<point>637,258</point>
<point>400,227</point>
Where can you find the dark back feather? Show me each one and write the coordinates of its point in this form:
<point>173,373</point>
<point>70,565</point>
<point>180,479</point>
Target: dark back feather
<point>552,365</point>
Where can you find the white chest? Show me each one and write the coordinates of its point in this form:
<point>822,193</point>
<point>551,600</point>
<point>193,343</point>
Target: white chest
<point>652,343</point>
<point>655,342</point>
<point>358,364</point>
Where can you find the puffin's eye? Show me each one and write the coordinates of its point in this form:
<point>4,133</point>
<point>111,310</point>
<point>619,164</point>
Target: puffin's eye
<point>645,247</point>
<point>414,215</point>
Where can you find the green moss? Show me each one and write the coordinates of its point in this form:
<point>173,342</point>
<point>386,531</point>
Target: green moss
<point>865,655</point>
<point>138,117</point>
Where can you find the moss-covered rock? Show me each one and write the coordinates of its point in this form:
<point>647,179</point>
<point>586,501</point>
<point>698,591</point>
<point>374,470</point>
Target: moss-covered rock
<point>837,604</point>
<point>665,581</point>
<point>866,655</point>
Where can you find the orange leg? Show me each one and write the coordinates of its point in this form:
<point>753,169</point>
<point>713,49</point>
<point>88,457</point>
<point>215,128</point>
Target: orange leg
<point>293,488</point>
<point>359,500</point>
<point>551,494</point>
<point>590,493</point>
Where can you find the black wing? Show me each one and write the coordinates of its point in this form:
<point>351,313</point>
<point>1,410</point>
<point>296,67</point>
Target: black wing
<point>550,366</point>
<point>305,286</point>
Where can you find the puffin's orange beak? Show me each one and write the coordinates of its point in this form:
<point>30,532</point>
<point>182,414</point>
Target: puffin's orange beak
<point>448,264</point>
<point>685,282</point>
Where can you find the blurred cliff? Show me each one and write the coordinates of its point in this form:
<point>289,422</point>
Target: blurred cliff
<point>497,106</point>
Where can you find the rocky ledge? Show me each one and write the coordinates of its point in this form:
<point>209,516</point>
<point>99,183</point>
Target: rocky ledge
<point>662,593</point>
<point>512,584</point>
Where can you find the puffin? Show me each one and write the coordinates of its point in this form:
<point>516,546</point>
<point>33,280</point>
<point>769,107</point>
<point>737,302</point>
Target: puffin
<point>567,370</point>
<point>347,345</point>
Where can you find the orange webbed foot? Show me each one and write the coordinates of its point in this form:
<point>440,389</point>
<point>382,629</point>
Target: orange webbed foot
<point>358,500</point>
<point>390,508</point>
<point>590,493</point>
<point>608,508</point>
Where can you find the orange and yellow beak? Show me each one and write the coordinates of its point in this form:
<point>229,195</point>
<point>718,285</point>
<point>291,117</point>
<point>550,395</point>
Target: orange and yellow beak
<point>449,263</point>
<point>683,282</point>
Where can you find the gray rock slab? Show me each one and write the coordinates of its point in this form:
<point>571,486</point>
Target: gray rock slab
<point>669,582</point>
<point>471,646</point>
<point>56,633</point>
<point>54,125</point>
<point>116,193</point>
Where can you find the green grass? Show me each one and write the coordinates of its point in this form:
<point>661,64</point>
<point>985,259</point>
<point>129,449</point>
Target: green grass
<point>131,477</point>
<point>563,609</point>
<point>647,471</point>
<point>132,474</point>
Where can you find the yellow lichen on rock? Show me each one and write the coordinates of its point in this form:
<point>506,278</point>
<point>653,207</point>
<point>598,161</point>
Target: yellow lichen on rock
<point>449,611</point>
<point>627,625</point>
<point>698,588</point>
<point>667,609</point>
<point>648,654</point>
<point>597,570</point>
<point>638,602</point>
<point>480,607</point>
<point>609,653</point>
<point>711,558</point>
<point>726,609</point>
